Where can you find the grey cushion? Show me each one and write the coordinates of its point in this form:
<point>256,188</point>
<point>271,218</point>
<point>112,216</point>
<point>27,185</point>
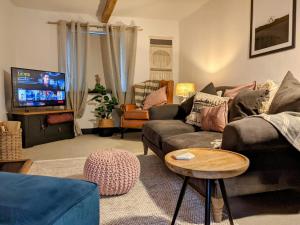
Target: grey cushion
<point>200,139</point>
<point>210,89</point>
<point>247,103</point>
<point>185,108</point>
<point>253,134</point>
<point>156,130</point>
<point>287,97</point>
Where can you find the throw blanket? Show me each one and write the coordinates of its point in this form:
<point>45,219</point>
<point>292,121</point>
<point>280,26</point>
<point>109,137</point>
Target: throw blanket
<point>288,124</point>
<point>142,90</point>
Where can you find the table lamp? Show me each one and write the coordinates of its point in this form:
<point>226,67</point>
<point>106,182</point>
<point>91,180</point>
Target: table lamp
<point>183,90</point>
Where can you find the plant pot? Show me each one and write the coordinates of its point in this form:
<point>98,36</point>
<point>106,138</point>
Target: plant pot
<point>106,127</point>
<point>106,123</point>
<point>106,132</point>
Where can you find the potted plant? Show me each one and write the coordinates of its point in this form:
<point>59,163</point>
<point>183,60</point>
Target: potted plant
<point>105,105</point>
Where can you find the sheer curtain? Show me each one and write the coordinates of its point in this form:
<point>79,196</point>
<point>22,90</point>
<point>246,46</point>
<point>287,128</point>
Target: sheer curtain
<point>118,48</point>
<point>72,60</point>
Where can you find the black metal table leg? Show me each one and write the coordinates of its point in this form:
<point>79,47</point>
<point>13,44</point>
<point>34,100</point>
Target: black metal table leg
<point>122,132</point>
<point>182,192</point>
<point>224,195</point>
<point>207,202</point>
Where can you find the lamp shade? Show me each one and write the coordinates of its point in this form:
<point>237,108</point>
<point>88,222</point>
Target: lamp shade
<point>184,89</point>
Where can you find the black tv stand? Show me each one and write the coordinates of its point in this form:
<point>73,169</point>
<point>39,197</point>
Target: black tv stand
<point>36,130</point>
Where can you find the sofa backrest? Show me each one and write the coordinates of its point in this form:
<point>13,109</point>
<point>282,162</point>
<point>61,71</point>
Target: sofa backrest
<point>223,88</point>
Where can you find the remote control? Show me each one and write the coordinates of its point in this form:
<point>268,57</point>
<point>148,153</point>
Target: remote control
<point>184,156</point>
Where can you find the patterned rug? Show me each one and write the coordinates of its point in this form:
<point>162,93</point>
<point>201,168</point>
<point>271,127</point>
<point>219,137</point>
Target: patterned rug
<point>151,202</point>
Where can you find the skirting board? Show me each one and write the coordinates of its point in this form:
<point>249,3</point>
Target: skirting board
<point>96,130</point>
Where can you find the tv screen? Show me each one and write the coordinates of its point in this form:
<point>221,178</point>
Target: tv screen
<point>34,88</point>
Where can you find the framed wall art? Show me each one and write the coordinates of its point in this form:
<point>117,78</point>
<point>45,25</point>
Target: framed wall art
<point>273,26</point>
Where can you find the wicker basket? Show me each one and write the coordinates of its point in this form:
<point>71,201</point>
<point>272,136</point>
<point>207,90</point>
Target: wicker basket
<point>10,140</point>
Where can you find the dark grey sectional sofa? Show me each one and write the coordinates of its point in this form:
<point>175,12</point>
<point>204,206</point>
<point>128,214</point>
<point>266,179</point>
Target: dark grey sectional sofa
<point>274,163</point>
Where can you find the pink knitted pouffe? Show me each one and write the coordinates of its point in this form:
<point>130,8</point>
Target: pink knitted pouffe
<point>115,171</point>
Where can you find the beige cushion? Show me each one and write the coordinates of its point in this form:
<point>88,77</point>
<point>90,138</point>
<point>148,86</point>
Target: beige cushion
<point>272,87</point>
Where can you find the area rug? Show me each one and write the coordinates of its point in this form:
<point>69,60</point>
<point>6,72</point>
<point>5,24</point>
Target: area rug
<point>151,202</point>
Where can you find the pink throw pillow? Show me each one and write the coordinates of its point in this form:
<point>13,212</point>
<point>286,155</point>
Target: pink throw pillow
<point>231,93</point>
<point>214,118</point>
<point>156,98</point>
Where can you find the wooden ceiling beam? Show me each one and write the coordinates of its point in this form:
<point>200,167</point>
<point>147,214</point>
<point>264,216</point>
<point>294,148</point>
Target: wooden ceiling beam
<point>105,10</point>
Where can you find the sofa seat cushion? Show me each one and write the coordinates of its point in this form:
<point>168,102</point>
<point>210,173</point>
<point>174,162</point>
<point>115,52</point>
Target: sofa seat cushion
<point>253,134</point>
<point>36,200</point>
<point>136,115</point>
<point>200,139</point>
<point>157,130</point>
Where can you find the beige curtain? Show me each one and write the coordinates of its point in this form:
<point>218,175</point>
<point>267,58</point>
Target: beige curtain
<point>72,60</point>
<point>118,50</point>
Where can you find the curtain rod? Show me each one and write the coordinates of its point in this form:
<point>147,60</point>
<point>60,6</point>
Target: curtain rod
<point>92,25</point>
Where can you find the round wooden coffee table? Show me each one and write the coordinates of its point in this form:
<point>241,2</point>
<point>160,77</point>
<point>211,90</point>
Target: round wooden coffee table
<point>208,164</point>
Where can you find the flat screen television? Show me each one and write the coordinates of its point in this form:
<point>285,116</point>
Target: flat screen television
<point>37,88</point>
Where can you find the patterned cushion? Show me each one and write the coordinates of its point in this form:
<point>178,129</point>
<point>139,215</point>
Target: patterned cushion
<point>156,98</point>
<point>201,101</point>
<point>272,87</point>
<point>142,90</point>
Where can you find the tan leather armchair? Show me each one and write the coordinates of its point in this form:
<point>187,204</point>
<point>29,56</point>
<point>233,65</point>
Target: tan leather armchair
<point>134,118</point>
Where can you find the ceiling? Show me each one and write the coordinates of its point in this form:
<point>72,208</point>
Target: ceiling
<point>76,6</point>
<point>157,9</point>
<point>152,9</point>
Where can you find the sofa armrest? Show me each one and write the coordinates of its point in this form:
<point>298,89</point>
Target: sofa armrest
<point>252,134</point>
<point>165,112</point>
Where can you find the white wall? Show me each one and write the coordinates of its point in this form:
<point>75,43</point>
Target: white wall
<point>36,44</point>
<point>214,46</point>
<point>7,49</point>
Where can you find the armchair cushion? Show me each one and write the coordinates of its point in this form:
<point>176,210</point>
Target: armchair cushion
<point>136,114</point>
<point>128,107</point>
<point>142,90</point>
<point>156,98</point>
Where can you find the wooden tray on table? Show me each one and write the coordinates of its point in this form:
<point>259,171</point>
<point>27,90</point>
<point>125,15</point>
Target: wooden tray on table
<point>15,166</point>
